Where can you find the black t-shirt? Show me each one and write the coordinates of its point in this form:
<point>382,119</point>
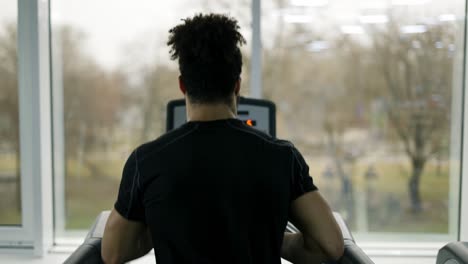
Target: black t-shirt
<point>214,192</point>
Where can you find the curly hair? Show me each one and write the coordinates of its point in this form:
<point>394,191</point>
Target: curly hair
<point>210,61</point>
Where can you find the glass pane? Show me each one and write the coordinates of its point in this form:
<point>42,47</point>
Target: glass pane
<point>116,79</point>
<point>10,187</point>
<point>370,92</point>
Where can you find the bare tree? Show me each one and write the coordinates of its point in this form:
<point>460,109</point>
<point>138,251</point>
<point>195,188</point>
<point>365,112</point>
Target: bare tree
<point>316,96</point>
<point>9,108</point>
<point>9,87</point>
<point>160,85</point>
<point>417,70</point>
<point>92,99</point>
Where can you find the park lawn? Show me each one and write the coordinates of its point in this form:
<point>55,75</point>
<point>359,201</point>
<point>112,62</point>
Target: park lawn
<point>9,209</point>
<point>8,163</point>
<point>10,217</point>
<point>394,178</point>
<point>86,197</point>
<point>390,198</point>
<point>434,190</point>
<point>88,194</point>
<point>107,168</point>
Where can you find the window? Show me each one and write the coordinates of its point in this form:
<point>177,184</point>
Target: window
<point>25,158</point>
<point>10,187</point>
<point>112,80</point>
<point>370,92</point>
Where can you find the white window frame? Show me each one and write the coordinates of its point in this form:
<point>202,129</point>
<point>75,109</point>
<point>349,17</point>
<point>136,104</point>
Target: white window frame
<point>35,233</point>
<point>463,214</point>
<point>256,59</point>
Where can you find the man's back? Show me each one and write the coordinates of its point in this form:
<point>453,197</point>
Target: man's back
<point>214,192</point>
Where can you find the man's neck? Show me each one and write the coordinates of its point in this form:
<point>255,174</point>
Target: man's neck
<point>210,112</point>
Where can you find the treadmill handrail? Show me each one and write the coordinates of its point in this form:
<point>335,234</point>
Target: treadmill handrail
<point>453,251</point>
<point>344,227</point>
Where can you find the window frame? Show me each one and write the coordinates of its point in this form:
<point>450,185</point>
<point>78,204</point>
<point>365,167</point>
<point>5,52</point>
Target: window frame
<point>35,233</point>
<point>21,236</point>
<point>463,205</point>
<point>256,60</point>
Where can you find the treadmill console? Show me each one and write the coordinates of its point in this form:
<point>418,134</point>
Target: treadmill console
<point>256,113</point>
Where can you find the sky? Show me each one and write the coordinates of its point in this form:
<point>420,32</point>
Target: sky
<point>119,32</point>
<point>8,11</point>
<point>111,26</point>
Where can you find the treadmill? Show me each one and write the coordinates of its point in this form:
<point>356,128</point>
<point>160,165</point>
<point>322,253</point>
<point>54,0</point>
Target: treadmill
<point>260,114</point>
<point>453,253</point>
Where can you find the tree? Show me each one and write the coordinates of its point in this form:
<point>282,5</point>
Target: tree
<point>317,95</point>
<point>159,86</point>
<point>92,99</point>
<point>9,107</point>
<point>417,74</point>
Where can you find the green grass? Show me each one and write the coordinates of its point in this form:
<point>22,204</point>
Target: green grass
<point>86,197</point>
<point>10,217</point>
<point>88,193</point>
<point>8,163</point>
<point>106,168</point>
<point>10,213</point>
<point>10,210</point>
<point>389,190</point>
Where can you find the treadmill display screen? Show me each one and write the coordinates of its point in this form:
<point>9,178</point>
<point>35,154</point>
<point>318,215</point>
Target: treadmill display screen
<point>250,122</point>
<point>256,113</point>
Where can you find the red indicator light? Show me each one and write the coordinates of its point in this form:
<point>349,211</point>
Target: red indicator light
<point>249,122</point>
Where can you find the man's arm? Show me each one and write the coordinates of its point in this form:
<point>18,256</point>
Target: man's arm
<point>320,238</point>
<point>293,250</point>
<point>124,240</point>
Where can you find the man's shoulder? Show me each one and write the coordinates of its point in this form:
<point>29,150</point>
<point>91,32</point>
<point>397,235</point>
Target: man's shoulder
<point>260,135</point>
<point>164,140</point>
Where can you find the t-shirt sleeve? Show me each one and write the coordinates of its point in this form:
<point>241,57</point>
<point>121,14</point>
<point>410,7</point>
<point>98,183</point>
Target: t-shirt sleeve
<point>301,181</point>
<point>129,202</point>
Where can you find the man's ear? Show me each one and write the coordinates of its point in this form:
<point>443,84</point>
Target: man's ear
<point>237,86</point>
<point>182,85</point>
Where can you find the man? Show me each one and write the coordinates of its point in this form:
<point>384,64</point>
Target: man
<point>216,190</point>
